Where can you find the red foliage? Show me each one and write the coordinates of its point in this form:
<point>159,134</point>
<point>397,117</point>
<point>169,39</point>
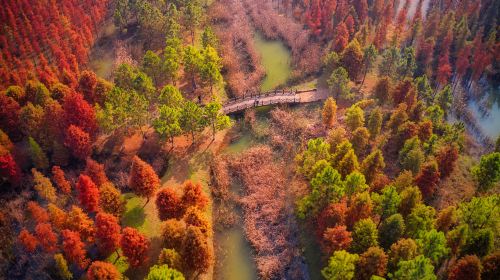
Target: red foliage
<point>447,160</point>
<point>134,246</point>
<point>333,215</point>
<point>28,241</point>
<point>196,252</point>
<point>103,271</point>
<point>444,70</point>
<point>341,38</point>
<point>467,268</point>
<point>9,169</point>
<point>60,180</point>
<point>58,30</point>
<point>169,204</point>
<point>46,237</point>
<point>87,84</point>
<point>481,58</point>
<point>358,209</point>
<point>9,116</point>
<point>96,171</point>
<point>425,130</point>
<point>463,60</point>
<point>88,193</point>
<point>107,232</point>
<point>194,195</point>
<point>143,179</point>
<point>80,113</point>
<point>337,238</point>
<point>428,179</point>
<point>74,248</point>
<point>78,141</point>
<point>361,7</point>
<point>405,92</point>
<point>38,213</point>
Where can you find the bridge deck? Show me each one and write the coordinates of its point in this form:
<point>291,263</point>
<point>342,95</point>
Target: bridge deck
<point>277,97</point>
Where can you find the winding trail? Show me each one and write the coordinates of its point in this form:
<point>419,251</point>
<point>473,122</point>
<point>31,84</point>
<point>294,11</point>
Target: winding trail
<point>274,97</point>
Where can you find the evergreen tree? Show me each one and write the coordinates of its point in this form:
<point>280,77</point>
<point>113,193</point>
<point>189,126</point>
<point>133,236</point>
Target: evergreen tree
<point>338,83</point>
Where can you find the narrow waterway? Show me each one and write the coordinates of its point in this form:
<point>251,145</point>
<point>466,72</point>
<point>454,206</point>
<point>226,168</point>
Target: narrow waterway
<point>275,58</point>
<point>234,253</point>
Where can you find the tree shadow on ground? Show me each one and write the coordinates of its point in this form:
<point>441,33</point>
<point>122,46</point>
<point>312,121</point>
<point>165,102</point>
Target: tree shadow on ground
<point>135,217</point>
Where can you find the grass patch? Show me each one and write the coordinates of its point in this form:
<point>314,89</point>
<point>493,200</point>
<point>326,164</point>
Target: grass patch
<point>140,218</point>
<point>121,264</point>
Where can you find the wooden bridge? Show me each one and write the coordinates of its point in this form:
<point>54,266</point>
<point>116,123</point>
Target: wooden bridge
<point>273,97</point>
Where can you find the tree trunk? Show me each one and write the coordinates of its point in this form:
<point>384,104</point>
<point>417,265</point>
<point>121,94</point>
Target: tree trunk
<point>147,201</point>
<point>364,77</point>
<point>117,256</point>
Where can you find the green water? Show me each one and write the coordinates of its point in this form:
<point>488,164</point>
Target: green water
<point>276,59</point>
<point>234,253</point>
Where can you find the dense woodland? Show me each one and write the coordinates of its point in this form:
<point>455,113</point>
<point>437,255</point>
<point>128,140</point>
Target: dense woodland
<point>127,175</point>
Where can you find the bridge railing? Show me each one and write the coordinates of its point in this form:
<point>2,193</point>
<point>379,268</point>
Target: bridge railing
<point>258,103</point>
<point>251,95</point>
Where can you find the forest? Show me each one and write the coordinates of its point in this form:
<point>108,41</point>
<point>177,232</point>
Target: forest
<point>250,139</point>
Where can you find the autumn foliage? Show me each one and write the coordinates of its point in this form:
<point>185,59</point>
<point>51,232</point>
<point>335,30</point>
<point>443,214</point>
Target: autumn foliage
<point>78,141</point>
<point>60,180</point>
<point>28,241</point>
<point>169,204</point>
<point>74,248</point>
<point>88,193</point>
<point>49,41</point>
<point>107,232</point>
<point>466,268</point>
<point>103,271</point>
<point>135,246</point>
<point>143,179</point>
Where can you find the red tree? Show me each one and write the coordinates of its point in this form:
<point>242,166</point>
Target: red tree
<point>169,204</point>
<point>333,215</point>
<point>9,168</point>
<point>38,213</point>
<point>143,179</point>
<point>88,193</point>
<point>467,268</point>
<point>196,252</point>
<point>87,84</point>
<point>447,160</point>
<point>46,237</point>
<point>96,171</point>
<point>444,68</point>
<point>28,241</point>
<point>360,208</point>
<point>428,179</point>
<point>361,7</point>
<point>341,38</point>
<point>103,271</point>
<point>80,113</point>
<point>107,233</point>
<point>194,195</point>
<point>74,248</point>
<point>371,262</point>
<point>60,180</point>
<point>134,246</point>
<point>336,238</point>
<point>9,117</point>
<point>405,92</point>
<point>78,141</point>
